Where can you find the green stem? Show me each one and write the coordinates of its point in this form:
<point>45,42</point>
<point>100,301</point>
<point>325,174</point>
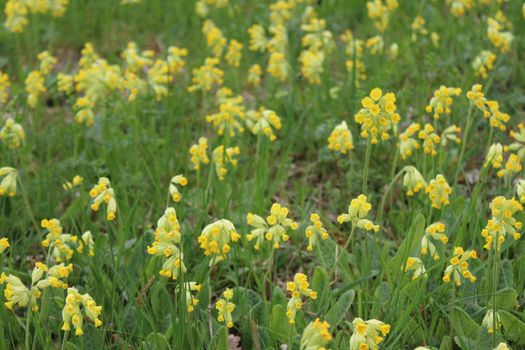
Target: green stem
<point>468,125</point>
<point>367,162</point>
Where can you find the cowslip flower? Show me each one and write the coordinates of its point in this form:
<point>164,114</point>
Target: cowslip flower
<point>8,183</point>
<point>368,334</point>
<point>378,115</point>
<point>299,289</point>
<point>191,288</point>
<point>408,142</point>
<point>86,240</point>
<point>502,222</point>
<point>167,238</point>
<point>438,192</point>
<point>263,122</point>
<point>476,97</point>
<point>340,139</point>
<point>316,37</point>
<point>494,156</point>
<point>357,212</point>
<point>17,294</point>
<point>47,62</point>
<point>512,166</point>
<point>413,181</point>
<point>435,231</point>
<point>102,192</point>
<point>214,37</point>
<point>278,66</point>
<point>176,59</point>
<point>5,83</point>
<point>518,145</point>
<point>274,228</point>
<point>34,86</point>
<point>483,63</point>
<point>12,134</point>
<point>258,39</point>
<point>230,117</point>
<point>75,182</point>
<point>458,8</point>
<point>53,276</point>
<point>430,140</point>
<point>497,119</point>
<point>136,60</point>
<point>315,231</point>
<point>4,244</point>
<point>312,65</point>
<point>222,157</point>
<point>520,190</point>
<point>442,100</point>
<point>379,12</point>
<point>76,308</point>
<point>488,321</point>
<point>234,53</point>
<point>316,335</point>
<point>60,245</point>
<point>450,134</point>
<point>16,16</point>
<point>459,266</point>
<point>254,75</point>
<point>216,237</point>
<point>177,180</point>
<point>206,76</point>
<point>375,45</point>
<point>225,308</point>
<point>416,266</point>
<point>198,153</point>
<point>499,38</point>
<point>158,78</point>
<point>502,346</point>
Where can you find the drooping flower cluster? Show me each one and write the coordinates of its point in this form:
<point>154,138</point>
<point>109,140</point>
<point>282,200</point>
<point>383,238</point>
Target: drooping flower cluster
<point>8,183</point>
<point>190,299</point>
<point>315,231</point>
<point>316,335</point>
<point>102,192</point>
<point>16,12</point>
<point>263,122</point>
<point>177,180</point>
<point>223,157</point>
<point>378,115</point>
<point>299,289</point>
<point>459,266</point>
<point>225,308</point>
<point>357,212</point>
<point>206,76</point>
<point>75,182</point>
<point>500,39</point>
<point>483,63</point>
<point>230,117</point>
<point>76,308</point>
<point>502,222</point>
<point>4,244</point>
<point>442,100</point>
<point>408,142</point>
<point>379,12</point>
<point>274,228</point>
<point>198,153</point>
<point>340,140</point>
<point>216,237</point>
<point>488,321</point>
<point>435,231</point>
<point>416,266</point>
<point>368,334</point>
<point>413,181</point>
<point>61,245</point>
<point>430,140</point>
<point>438,192</point>
<point>12,134</point>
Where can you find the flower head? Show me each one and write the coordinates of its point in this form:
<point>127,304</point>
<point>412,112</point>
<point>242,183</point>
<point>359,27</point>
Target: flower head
<point>198,153</point>
<point>430,139</point>
<point>434,232</point>
<point>76,308</point>
<point>368,334</point>
<point>488,321</point>
<point>178,180</point>
<point>340,140</point>
<point>222,157</point>
<point>8,183</point>
<point>299,288</point>
<point>357,212</point>
<point>225,308</point>
<point>408,142</point>
<point>263,122</point>
<point>413,181</point>
<point>216,237</point>
<point>102,192</point>
<point>438,191</point>
<point>4,244</point>
<point>442,100</point>
<point>316,335</point>
<point>12,134</point>
<point>315,231</point>
<point>502,222</point>
<point>274,228</point>
<point>61,245</point>
<point>459,266</point>
<point>416,266</point>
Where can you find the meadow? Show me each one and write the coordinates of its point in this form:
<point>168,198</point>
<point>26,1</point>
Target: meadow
<point>273,174</point>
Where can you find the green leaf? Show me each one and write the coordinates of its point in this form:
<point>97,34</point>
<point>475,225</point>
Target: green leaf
<point>446,344</point>
<point>463,324</point>
<point>514,327</point>
<point>319,285</point>
<point>409,244</point>
<point>220,339</point>
<point>484,340</point>
<point>280,328</point>
<point>465,343</point>
<point>506,299</point>
<point>338,311</point>
<point>506,275</point>
<point>155,341</point>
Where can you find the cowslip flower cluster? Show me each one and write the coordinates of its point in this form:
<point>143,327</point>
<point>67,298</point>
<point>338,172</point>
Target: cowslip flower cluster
<point>274,228</point>
<point>450,134</point>
<point>198,153</point>
<point>225,308</point>
<point>438,191</point>
<point>354,52</point>
<point>299,289</point>
<point>254,75</point>
<point>378,115</point>
<point>216,237</point>
<point>61,245</point>
<point>494,156</point>
<point>102,192</point>
<point>368,334</point>
<point>413,181</point>
<point>16,12</point>
<point>234,53</point>
<point>442,100</point>
<point>357,212</point>
<point>12,134</point>
<point>5,83</point>
<point>206,76</point>
<point>502,222</point>
<point>167,239</point>
<point>518,145</point>
<point>416,266</point>
<point>500,39</point>
<point>86,241</point>
<point>263,122</point>
<point>379,12</point>
<point>76,308</point>
<point>278,66</point>
<point>520,190</point>
<point>315,231</point>
<point>230,116</point>
<point>316,335</point>
<point>34,86</point>
<point>483,63</point>
<point>4,244</point>
<point>489,108</point>
<point>222,157</point>
<point>214,38</point>
<point>512,166</point>
<point>191,288</point>
<point>408,142</point>
<point>458,8</point>
<point>75,182</point>
<point>340,139</point>
<point>312,65</point>
<point>488,321</point>
<point>8,183</point>
<point>459,266</point>
<point>435,231</point>
<point>430,140</point>
<point>177,180</point>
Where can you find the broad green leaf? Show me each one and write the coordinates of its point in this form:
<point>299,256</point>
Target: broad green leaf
<point>465,343</point>
<point>280,328</point>
<point>463,324</point>
<point>446,344</point>
<point>506,274</point>
<point>514,327</point>
<point>409,244</point>
<point>506,299</point>
<point>220,339</point>
<point>155,341</point>
<point>338,311</point>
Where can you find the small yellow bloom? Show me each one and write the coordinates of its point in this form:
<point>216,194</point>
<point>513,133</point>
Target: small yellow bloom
<point>438,191</point>
<point>225,308</point>
<point>340,140</point>
<point>357,212</point>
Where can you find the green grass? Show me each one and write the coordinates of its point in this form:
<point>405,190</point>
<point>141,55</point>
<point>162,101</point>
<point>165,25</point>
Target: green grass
<point>140,145</point>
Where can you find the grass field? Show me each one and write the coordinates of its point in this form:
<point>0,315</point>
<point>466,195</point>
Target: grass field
<point>285,174</point>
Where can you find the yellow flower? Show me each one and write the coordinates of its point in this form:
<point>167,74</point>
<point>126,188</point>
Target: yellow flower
<point>299,288</point>
<point>430,140</point>
<point>435,231</point>
<point>75,182</point>
<point>379,12</point>
<point>190,299</point>
<point>234,53</point>
<point>500,39</point>
<point>415,265</point>
<point>17,294</point>
<point>442,100</point>
<point>459,266</point>
<point>312,65</point>
<point>206,76</point>
<point>34,87</point>
<point>316,37</point>
<point>408,142</point>
<point>488,321</point>
<point>216,237</point>
<point>12,134</point>
<point>175,60</point>
<point>5,83</point>
<point>8,183</point>
<point>458,8</point>
<point>87,241</point>
<point>497,119</point>
<point>316,335</point>
<point>368,334</point>
<point>60,245</point>
<point>512,166</point>
<point>76,308</point>
<point>278,66</point>
<point>174,191</point>
<point>274,228</point>
<point>230,116</point>
<point>315,231</point>
<point>450,134</point>
<point>503,346</point>
<point>340,140</point>
<point>158,78</point>
<point>263,122</point>
<point>520,190</point>
<point>47,62</point>
<point>136,60</point>
<point>502,222</point>
<point>357,212</point>
<point>198,153</point>
<point>225,308</point>
<point>4,244</point>
<point>254,75</point>
<point>16,15</point>
<point>494,156</point>
<point>65,83</point>
<point>258,40</point>
<point>438,191</point>
<point>483,63</point>
<point>224,156</point>
<point>518,145</point>
<point>214,38</point>
<point>375,45</point>
<point>413,181</point>
<point>102,192</point>
<point>378,115</point>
